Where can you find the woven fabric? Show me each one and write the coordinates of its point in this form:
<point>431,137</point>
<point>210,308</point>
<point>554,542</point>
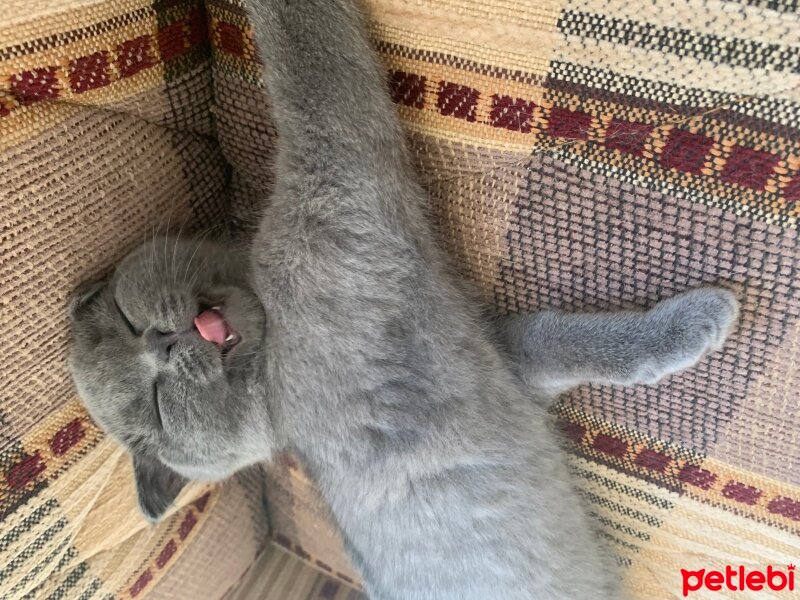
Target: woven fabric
<point>579,154</point>
<point>105,137</point>
<point>596,154</point>
<point>301,522</point>
<point>281,575</point>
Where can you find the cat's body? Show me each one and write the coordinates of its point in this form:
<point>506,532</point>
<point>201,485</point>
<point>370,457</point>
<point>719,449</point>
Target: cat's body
<point>427,437</point>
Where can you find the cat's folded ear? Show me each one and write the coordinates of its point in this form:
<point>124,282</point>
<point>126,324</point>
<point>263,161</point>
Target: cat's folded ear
<point>84,295</point>
<point>156,486</point>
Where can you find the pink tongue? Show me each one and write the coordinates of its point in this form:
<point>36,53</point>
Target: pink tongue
<point>211,326</point>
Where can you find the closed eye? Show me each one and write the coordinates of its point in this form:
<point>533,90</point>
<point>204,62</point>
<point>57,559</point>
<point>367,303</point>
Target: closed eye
<point>127,321</point>
<point>156,405</point>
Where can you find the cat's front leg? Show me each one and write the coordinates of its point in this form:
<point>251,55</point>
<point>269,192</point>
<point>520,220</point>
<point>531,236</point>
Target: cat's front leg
<point>555,351</point>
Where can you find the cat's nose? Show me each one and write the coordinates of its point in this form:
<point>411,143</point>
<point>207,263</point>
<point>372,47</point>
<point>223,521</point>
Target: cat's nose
<point>160,343</point>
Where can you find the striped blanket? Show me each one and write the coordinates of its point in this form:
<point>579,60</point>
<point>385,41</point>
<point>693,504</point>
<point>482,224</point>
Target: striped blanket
<point>578,154</point>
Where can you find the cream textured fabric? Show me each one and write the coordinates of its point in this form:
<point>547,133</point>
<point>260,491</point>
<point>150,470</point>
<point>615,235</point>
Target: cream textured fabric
<point>578,153</point>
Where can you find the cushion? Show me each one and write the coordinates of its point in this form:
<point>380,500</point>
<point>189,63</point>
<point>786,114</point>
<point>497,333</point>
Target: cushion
<point>106,136</point>
<point>578,154</point>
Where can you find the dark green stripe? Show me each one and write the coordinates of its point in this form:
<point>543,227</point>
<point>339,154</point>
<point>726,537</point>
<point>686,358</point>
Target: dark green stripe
<point>27,524</point>
<point>32,549</point>
<point>34,572</point>
<point>623,489</point>
<point>94,585</point>
<point>70,582</point>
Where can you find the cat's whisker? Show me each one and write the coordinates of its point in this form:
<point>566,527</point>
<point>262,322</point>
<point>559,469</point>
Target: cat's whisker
<point>197,271</point>
<point>200,241</point>
<point>166,239</point>
<point>148,265</point>
<point>158,228</point>
<point>175,250</point>
<point>153,254</point>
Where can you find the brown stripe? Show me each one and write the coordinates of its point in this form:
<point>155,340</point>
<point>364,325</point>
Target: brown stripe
<point>227,7</point>
<point>771,128</point>
<point>604,95</point>
<point>464,64</point>
<point>723,114</point>
<point>68,37</point>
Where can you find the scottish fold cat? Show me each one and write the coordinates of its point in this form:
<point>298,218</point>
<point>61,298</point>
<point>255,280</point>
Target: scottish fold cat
<point>341,334</point>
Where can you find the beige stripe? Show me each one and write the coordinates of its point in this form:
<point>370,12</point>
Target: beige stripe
<point>99,498</point>
<point>725,19</point>
<point>694,534</point>
<point>437,27</point>
<point>150,104</point>
<point>26,122</point>
<point>474,134</point>
<point>763,543</point>
<point>517,12</point>
<point>62,55</point>
<point>279,575</point>
<point>710,542</point>
<point>528,64</point>
<point>770,488</point>
<point>420,44</point>
<point>25,20</point>
<point>658,66</point>
<point>23,580</point>
<point>78,490</point>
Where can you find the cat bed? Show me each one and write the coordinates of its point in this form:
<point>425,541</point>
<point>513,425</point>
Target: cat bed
<point>578,155</point>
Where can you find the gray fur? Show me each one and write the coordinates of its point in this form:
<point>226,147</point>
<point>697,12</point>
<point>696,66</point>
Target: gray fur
<point>361,353</point>
<point>554,351</point>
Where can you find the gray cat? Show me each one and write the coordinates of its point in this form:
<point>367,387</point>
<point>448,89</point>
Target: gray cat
<point>344,337</point>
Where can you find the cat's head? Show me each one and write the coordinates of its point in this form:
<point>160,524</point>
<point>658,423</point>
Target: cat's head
<point>166,356</point>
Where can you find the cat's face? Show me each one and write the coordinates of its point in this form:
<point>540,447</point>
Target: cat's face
<point>166,354</point>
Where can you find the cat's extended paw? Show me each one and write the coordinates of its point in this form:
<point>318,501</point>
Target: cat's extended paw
<point>698,319</point>
<point>686,327</point>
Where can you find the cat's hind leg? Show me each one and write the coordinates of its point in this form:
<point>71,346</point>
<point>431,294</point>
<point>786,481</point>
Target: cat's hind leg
<point>555,351</point>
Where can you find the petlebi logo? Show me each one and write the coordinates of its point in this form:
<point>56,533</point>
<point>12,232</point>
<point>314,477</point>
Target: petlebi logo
<point>739,579</point>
